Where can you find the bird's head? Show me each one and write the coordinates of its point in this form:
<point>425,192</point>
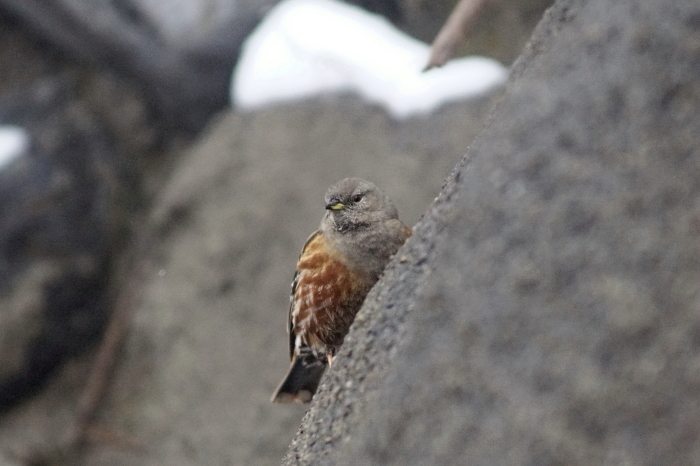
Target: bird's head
<point>354,204</point>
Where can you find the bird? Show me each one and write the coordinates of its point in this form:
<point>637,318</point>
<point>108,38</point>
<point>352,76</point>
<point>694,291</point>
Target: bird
<point>339,264</point>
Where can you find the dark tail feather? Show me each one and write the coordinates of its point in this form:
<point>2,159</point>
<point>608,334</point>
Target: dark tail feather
<point>301,381</point>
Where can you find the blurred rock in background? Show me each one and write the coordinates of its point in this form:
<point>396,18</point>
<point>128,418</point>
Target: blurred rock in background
<point>125,104</point>
<point>64,207</point>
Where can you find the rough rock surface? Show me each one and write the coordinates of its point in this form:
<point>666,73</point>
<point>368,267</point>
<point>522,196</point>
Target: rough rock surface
<point>547,310</point>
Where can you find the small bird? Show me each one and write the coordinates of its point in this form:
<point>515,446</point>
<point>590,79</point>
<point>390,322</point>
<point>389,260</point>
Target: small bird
<point>339,264</point>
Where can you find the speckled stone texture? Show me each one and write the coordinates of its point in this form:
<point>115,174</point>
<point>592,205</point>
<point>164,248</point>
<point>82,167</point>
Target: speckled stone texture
<point>547,310</point>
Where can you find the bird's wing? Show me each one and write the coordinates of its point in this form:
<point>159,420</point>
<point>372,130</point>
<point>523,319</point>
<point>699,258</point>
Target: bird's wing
<point>295,282</point>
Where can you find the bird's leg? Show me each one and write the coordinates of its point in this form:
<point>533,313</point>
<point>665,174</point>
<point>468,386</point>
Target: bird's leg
<point>330,359</point>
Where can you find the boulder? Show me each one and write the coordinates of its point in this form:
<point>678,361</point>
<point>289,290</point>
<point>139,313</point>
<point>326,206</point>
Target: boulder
<point>546,309</point>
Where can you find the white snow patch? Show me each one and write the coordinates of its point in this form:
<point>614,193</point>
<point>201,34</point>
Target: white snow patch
<point>307,47</point>
<point>14,141</point>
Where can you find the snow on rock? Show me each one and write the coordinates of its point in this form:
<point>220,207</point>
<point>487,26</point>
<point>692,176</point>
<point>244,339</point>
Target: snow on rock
<point>307,47</point>
<point>14,141</point>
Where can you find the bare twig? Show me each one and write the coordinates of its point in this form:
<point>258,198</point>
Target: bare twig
<point>453,31</point>
<point>83,430</point>
<point>128,295</point>
<point>107,355</point>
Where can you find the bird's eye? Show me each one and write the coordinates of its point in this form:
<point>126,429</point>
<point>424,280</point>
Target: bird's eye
<point>357,198</point>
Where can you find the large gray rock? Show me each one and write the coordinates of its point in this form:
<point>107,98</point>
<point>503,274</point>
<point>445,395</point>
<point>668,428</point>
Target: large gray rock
<point>547,309</point>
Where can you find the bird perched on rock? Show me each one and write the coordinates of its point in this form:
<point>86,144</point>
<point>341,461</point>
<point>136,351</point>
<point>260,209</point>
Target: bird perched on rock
<point>339,264</point>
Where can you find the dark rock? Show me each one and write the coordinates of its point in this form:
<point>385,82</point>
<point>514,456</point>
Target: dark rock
<point>546,311</point>
<point>63,206</point>
<point>390,9</point>
<point>185,85</point>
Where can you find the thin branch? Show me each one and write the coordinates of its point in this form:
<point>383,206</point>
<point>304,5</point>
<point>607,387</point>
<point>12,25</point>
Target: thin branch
<point>107,355</point>
<point>453,31</point>
<point>83,430</point>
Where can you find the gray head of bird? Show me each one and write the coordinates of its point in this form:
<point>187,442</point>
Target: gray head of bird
<point>354,204</point>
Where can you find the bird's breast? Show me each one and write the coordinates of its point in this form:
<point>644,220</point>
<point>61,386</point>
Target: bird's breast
<point>327,296</point>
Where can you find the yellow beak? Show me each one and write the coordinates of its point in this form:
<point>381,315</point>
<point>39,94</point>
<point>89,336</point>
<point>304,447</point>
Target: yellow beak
<point>335,205</point>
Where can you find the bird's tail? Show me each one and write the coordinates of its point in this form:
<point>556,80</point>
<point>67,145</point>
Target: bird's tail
<point>301,381</point>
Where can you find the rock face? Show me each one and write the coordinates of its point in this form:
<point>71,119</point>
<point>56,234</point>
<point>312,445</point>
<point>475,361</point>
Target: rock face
<point>547,308</point>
